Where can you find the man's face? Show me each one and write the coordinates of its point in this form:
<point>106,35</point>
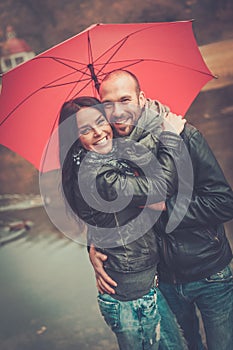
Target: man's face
<point>122,103</point>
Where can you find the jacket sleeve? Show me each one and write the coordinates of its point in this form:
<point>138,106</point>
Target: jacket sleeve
<point>212,199</point>
<point>161,184</point>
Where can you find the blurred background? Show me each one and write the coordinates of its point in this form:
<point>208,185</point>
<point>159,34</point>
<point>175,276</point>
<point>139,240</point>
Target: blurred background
<point>47,287</point>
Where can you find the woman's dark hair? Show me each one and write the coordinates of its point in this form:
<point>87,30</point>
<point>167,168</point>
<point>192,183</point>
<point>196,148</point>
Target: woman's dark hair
<point>68,134</point>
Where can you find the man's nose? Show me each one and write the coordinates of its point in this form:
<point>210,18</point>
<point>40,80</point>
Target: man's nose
<point>117,109</point>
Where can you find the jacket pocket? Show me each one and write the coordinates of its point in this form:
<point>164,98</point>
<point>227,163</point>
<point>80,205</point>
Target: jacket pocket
<point>110,310</point>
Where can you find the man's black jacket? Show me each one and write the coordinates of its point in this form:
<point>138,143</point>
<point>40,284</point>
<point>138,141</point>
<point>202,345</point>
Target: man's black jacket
<point>195,246</point>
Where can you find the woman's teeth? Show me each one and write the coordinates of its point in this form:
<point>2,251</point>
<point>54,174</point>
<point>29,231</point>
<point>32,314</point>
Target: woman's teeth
<point>101,141</point>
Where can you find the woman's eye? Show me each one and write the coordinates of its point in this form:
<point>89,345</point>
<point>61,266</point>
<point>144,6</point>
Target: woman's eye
<point>85,131</point>
<point>101,121</point>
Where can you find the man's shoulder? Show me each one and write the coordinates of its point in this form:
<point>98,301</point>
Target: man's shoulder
<point>189,129</point>
<point>188,132</point>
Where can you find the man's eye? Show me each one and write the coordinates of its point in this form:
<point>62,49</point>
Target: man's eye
<point>126,100</point>
<point>108,105</point>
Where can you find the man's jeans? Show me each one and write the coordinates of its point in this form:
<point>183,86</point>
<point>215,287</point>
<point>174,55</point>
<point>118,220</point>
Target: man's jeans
<point>136,323</point>
<point>214,298</point>
<point>171,336</point>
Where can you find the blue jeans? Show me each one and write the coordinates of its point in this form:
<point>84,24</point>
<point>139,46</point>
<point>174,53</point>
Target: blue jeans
<point>214,298</point>
<point>171,336</point>
<point>136,323</point>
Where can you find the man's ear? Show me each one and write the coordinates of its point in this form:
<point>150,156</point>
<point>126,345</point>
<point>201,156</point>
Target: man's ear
<point>142,99</point>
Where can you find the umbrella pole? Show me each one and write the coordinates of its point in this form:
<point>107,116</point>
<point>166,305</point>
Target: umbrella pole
<point>94,76</point>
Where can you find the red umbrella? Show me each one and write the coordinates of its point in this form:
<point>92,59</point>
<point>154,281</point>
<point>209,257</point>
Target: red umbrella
<point>164,56</point>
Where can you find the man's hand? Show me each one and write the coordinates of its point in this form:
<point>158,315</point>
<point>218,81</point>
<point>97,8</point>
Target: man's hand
<point>173,123</point>
<point>103,281</point>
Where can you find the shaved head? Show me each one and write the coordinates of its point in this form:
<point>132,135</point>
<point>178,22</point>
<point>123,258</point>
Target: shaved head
<point>120,73</point>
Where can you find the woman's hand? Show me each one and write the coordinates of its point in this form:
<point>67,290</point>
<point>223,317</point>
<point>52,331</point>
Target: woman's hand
<point>156,206</point>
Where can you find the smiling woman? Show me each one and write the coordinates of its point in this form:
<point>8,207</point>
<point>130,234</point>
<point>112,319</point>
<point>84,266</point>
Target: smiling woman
<point>95,133</point>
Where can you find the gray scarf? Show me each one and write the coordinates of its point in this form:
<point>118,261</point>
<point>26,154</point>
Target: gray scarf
<point>146,132</point>
<point>150,121</point>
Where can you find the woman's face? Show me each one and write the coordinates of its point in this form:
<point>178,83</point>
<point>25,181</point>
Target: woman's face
<point>95,133</point>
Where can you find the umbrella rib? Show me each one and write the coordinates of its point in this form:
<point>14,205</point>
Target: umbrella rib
<point>63,84</point>
<point>26,98</point>
<point>160,61</point>
<point>62,61</point>
<point>89,82</point>
<point>122,66</point>
<point>67,65</point>
<point>180,66</point>
<point>68,83</point>
<point>59,58</point>
<point>114,53</point>
<point>18,105</point>
<point>64,76</point>
<point>76,82</point>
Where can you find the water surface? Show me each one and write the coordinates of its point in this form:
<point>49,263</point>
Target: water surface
<point>47,289</point>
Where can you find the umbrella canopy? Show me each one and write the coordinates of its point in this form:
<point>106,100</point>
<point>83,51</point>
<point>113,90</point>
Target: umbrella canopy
<point>164,56</point>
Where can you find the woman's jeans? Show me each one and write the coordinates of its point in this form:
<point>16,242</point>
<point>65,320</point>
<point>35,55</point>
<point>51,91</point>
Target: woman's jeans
<point>214,298</point>
<point>136,323</point>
